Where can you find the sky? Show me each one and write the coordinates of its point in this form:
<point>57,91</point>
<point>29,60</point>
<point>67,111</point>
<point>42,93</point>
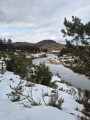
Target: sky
<point>36,20</point>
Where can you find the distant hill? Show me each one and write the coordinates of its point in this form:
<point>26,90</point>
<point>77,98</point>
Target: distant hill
<point>50,45</point>
<point>44,42</point>
<point>23,44</point>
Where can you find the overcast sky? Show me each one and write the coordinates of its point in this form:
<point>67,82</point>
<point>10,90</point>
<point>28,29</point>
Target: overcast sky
<point>36,20</point>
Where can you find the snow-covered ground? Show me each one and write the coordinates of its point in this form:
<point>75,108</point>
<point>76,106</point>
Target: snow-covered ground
<point>37,55</point>
<point>55,51</point>
<point>16,111</point>
<point>40,94</point>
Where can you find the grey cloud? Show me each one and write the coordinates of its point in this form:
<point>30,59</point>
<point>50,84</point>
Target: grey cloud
<point>44,16</point>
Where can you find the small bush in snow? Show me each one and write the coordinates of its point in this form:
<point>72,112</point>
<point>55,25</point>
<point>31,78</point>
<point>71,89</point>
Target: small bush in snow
<point>67,83</point>
<point>30,79</point>
<point>41,74</point>
<point>43,55</point>
<point>30,100</point>
<point>17,64</point>
<point>2,69</point>
<point>54,91</point>
<point>55,102</point>
<point>16,92</point>
<point>86,100</point>
<point>28,84</point>
<point>61,89</point>
<point>53,85</point>
<point>60,101</point>
<point>45,94</point>
<point>83,118</point>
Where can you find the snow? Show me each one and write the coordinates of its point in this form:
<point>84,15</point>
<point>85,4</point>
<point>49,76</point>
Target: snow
<point>41,94</point>
<point>16,111</point>
<point>36,55</point>
<point>36,113</point>
<point>55,78</point>
<point>55,51</point>
<point>71,59</point>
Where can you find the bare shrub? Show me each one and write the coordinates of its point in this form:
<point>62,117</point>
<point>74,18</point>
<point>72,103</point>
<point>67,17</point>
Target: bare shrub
<point>30,101</point>
<point>83,118</point>
<point>55,102</point>
<point>53,85</point>
<point>28,84</point>
<point>67,83</point>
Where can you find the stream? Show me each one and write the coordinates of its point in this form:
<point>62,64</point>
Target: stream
<point>77,80</point>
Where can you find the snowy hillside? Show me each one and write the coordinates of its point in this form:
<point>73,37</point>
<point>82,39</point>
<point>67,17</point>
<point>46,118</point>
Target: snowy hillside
<point>41,94</point>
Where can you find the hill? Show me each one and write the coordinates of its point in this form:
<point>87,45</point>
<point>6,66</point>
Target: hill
<point>50,45</point>
<point>44,42</point>
<point>23,44</point>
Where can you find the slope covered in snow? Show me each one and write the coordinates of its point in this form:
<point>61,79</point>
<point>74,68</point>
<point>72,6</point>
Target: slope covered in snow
<point>17,111</point>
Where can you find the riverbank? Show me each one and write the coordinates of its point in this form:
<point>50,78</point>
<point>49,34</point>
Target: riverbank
<point>77,80</point>
<point>69,62</point>
<point>79,60</point>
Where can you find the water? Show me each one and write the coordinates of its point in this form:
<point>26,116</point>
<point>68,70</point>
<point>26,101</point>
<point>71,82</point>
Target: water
<point>77,80</point>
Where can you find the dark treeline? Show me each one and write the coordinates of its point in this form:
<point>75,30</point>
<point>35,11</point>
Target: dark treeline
<point>8,46</point>
<point>30,49</point>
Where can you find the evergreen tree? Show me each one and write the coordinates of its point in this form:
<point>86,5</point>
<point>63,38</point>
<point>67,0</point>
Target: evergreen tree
<point>77,30</point>
<point>9,41</point>
<point>41,74</point>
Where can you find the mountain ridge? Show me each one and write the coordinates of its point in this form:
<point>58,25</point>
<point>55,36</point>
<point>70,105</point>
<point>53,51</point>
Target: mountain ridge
<point>43,44</point>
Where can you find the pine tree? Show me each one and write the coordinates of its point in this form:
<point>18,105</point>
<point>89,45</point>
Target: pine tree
<point>77,30</point>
